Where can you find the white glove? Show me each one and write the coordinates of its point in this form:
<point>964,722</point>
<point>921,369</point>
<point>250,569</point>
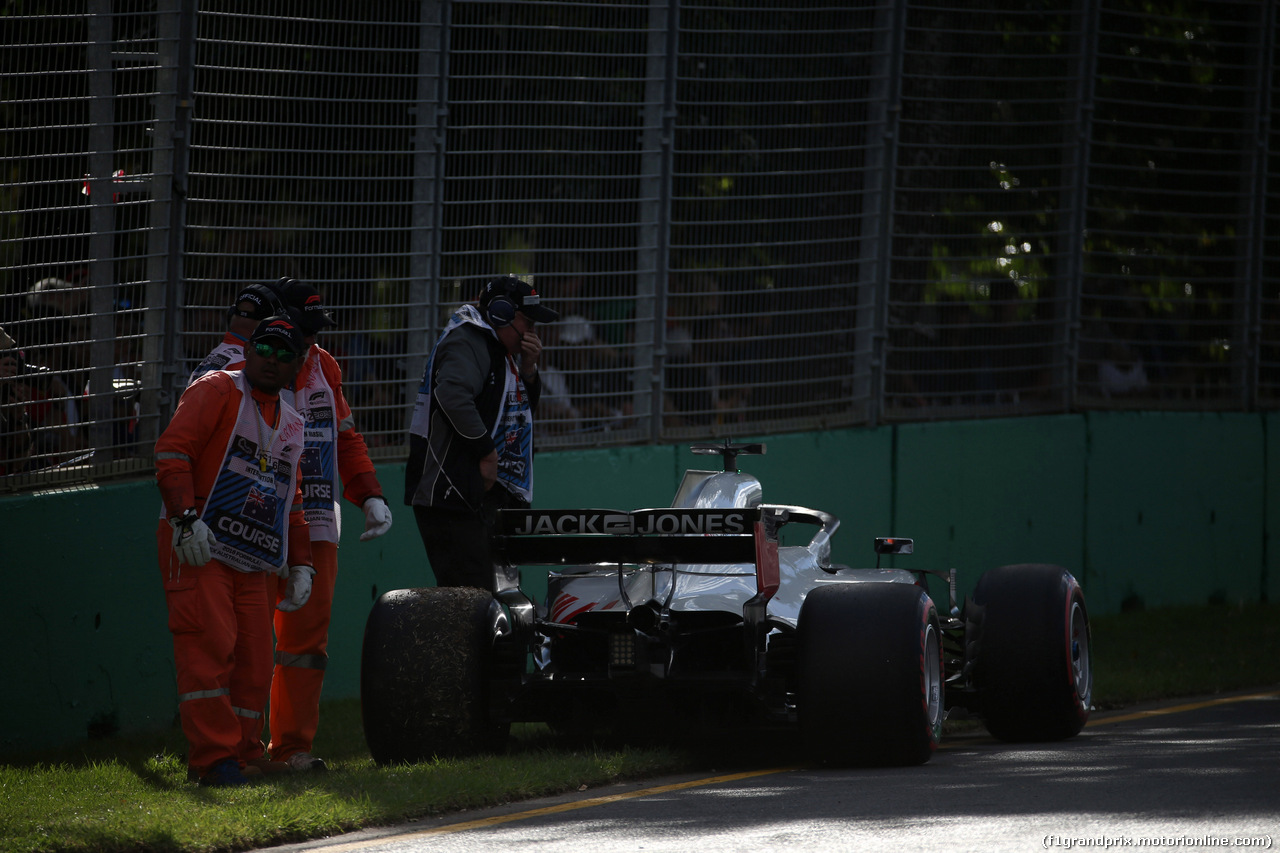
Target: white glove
<point>191,539</point>
<point>298,589</point>
<point>377,519</point>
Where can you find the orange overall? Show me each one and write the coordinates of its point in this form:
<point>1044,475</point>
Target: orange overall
<point>302,636</point>
<point>220,618</point>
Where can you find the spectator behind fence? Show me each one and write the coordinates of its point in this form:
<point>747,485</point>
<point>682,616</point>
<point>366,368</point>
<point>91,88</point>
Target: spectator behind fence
<point>55,341</point>
<point>557,414</point>
<point>126,383</point>
<point>597,379</point>
<point>746,372</point>
<point>597,297</point>
<point>1121,372</point>
<point>693,325</point>
<point>56,332</point>
<point>16,441</point>
<point>1112,347</point>
<point>372,354</point>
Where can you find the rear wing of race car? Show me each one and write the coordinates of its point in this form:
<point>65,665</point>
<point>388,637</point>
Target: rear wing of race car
<point>585,536</point>
<point>571,537</point>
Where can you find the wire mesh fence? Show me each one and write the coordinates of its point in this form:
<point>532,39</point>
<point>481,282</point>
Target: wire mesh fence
<point>754,216</point>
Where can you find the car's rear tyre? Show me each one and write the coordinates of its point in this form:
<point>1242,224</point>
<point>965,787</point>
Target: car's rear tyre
<point>1028,635</point>
<point>424,675</point>
<point>870,678</point>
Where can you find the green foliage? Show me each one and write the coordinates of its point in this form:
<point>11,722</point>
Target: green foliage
<point>1007,245</point>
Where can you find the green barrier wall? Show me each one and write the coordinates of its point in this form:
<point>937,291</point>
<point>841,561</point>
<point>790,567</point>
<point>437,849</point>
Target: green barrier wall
<point>980,494</point>
<point>1145,507</point>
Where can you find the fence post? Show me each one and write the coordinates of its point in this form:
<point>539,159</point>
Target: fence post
<point>654,249</point>
<point>431,121</point>
<point>96,407</point>
<point>1254,191</point>
<point>1076,202</point>
<point>885,107</point>
<point>170,158</point>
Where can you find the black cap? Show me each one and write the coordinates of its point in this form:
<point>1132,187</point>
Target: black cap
<point>265,299</point>
<point>518,293</point>
<point>307,300</point>
<point>281,330</point>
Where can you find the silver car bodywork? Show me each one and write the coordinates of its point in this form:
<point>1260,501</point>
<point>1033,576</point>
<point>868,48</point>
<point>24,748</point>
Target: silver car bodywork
<point>704,587</point>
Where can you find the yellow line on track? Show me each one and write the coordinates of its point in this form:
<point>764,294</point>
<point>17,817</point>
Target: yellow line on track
<point>550,810</point>
<point>1178,709</point>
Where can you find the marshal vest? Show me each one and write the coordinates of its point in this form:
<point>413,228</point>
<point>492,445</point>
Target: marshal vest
<point>248,506</point>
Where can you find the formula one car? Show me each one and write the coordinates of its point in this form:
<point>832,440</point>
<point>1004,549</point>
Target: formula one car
<point>702,615</point>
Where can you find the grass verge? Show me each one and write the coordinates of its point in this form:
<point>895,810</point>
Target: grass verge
<point>131,794</point>
<point>1184,651</point>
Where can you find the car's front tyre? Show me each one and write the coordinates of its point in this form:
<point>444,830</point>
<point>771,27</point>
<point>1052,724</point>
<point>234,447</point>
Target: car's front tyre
<point>1028,632</point>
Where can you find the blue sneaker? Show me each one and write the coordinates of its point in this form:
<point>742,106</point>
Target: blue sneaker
<point>224,774</point>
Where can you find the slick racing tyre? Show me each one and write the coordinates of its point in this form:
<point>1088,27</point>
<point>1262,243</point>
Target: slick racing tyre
<point>424,674</point>
<point>870,678</point>
<point>1027,630</point>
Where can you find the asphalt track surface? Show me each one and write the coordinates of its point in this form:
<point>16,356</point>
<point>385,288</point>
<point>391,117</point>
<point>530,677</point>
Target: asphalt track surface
<point>1188,775</point>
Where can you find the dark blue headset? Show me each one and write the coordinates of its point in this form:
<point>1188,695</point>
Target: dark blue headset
<point>500,310</point>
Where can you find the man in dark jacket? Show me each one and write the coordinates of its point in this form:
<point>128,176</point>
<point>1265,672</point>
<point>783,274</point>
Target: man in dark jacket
<point>471,440</point>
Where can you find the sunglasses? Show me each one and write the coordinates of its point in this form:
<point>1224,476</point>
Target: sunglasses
<point>284,356</point>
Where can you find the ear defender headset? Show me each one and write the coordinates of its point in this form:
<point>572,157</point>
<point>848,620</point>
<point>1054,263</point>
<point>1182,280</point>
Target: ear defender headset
<point>500,310</point>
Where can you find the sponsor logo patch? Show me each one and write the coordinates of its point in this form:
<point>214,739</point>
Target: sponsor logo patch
<point>641,523</point>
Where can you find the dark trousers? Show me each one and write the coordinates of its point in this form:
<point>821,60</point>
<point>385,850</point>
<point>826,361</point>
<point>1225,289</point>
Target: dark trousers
<point>457,541</point>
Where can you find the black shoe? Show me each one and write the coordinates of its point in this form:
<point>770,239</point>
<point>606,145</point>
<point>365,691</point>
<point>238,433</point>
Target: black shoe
<point>305,762</point>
